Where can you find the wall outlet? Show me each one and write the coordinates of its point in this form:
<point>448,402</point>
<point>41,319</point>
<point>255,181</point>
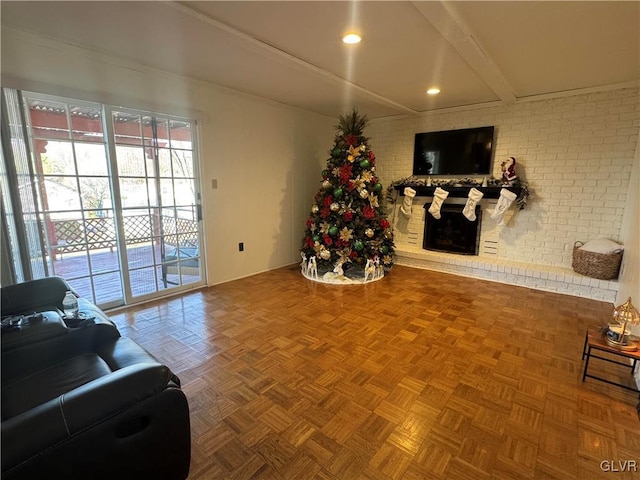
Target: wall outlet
<point>214,183</point>
<point>241,247</point>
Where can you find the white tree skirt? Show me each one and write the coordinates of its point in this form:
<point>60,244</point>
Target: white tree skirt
<point>350,278</point>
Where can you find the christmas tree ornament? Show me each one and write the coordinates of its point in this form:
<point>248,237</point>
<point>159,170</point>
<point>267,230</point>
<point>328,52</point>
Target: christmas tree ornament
<point>407,201</point>
<point>469,210</point>
<point>334,207</point>
<point>368,212</point>
<point>346,234</point>
<point>369,232</point>
<point>315,209</point>
<point>364,163</point>
<point>358,245</point>
<point>326,184</point>
<point>333,230</point>
<point>506,199</point>
<point>337,192</point>
<point>353,154</point>
<point>439,196</point>
<point>377,187</point>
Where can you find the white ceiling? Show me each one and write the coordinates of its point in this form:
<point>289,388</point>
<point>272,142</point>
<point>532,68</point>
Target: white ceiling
<point>290,52</point>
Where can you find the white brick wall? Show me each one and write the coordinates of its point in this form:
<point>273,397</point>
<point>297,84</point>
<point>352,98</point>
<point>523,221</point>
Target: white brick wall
<point>575,152</point>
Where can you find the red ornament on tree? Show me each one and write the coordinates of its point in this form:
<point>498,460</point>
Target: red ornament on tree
<point>351,139</point>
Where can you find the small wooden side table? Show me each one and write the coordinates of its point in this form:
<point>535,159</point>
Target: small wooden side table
<point>594,340</point>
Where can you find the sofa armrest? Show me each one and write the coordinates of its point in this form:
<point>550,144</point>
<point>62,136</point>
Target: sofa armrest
<point>29,358</point>
<point>123,353</point>
<point>33,295</point>
<point>23,436</point>
<point>112,393</point>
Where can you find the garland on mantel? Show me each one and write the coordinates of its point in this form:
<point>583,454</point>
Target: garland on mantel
<point>414,181</point>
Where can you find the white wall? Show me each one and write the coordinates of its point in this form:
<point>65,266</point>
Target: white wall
<point>575,152</point>
<point>266,157</point>
<point>630,270</point>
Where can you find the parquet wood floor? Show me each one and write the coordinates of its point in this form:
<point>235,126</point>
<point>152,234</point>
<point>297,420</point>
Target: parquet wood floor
<point>421,375</point>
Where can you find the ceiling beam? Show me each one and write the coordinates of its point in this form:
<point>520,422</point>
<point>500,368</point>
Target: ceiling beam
<point>292,59</point>
<point>451,26</point>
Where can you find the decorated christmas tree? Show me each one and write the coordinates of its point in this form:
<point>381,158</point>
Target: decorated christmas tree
<point>347,236</point>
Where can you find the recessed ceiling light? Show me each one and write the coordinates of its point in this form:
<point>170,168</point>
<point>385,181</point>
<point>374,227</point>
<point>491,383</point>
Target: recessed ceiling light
<point>433,91</point>
<point>352,39</point>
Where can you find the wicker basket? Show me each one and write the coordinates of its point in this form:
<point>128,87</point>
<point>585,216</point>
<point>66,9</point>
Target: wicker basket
<point>603,266</point>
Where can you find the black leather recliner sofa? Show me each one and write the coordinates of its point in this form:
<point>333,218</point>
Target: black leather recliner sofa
<point>81,402</point>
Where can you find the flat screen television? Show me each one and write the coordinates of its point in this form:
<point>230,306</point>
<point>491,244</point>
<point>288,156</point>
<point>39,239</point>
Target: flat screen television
<point>454,152</point>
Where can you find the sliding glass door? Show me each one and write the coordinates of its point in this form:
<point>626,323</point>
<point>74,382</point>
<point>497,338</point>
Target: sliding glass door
<point>159,201</point>
<point>117,198</point>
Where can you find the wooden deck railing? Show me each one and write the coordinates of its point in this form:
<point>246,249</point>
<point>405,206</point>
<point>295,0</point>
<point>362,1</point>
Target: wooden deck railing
<point>98,233</point>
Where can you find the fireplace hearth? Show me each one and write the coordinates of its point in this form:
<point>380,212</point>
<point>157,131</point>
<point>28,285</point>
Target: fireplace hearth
<point>453,232</point>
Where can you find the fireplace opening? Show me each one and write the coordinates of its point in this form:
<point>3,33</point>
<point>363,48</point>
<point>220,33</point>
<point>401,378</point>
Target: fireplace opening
<point>453,232</point>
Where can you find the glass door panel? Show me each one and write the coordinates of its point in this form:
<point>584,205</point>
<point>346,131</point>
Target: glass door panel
<point>163,248</point>
<point>71,165</point>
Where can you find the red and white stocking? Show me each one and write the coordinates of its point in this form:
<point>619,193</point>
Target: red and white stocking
<point>439,196</point>
<point>506,199</point>
<point>469,210</point>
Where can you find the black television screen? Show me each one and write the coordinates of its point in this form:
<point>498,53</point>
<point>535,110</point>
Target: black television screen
<point>454,152</point>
